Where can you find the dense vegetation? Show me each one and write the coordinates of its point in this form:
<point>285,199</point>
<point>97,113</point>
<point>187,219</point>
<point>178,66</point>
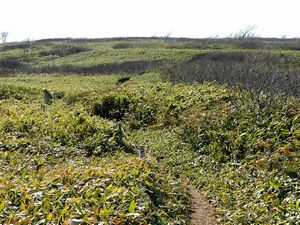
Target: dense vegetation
<point>226,119</point>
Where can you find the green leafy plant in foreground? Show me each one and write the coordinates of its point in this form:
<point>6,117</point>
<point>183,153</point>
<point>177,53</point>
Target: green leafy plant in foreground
<point>118,190</point>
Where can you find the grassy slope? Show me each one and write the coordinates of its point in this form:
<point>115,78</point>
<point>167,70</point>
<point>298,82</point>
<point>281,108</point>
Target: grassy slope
<point>46,175</point>
<point>99,53</point>
<point>247,165</point>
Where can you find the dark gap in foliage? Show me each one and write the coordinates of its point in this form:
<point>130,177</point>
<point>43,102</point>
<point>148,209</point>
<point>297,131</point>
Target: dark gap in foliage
<point>123,80</point>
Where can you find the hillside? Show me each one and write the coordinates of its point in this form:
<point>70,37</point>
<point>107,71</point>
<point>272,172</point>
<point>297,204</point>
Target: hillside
<point>221,115</point>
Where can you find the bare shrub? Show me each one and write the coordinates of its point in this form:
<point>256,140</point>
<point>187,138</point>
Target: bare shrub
<point>264,76</point>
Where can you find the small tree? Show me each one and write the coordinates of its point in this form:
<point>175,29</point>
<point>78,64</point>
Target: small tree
<point>4,36</point>
<point>247,32</point>
<point>167,36</point>
<point>245,38</point>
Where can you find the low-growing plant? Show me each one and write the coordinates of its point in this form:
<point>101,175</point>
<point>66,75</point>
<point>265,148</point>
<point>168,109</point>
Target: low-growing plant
<point>122,45</point>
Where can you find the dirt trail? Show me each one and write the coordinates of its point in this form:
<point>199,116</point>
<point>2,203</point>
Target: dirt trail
<point>202,212</point>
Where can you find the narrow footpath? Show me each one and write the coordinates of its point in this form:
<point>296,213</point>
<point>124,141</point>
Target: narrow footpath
<point>202,212</point>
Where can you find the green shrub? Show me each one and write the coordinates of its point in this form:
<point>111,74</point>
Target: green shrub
<point>112,107</point>
<point>10,91</point>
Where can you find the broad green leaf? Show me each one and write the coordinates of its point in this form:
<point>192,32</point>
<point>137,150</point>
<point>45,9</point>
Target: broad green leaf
<point>88,193</point>
<point>22,206</point>
<point>132,206</point>
<point>147,183</point>
<point>49,217</point>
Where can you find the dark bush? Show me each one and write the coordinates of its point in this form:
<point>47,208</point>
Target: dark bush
<point>10,63</point>
<point>111,107</point>
<point>64,50</point>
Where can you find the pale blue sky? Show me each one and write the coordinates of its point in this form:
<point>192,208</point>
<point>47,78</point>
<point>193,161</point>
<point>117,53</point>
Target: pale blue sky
<point>37,19</point>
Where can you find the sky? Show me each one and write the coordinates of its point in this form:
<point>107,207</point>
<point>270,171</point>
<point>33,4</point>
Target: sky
<point>39,19</point>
